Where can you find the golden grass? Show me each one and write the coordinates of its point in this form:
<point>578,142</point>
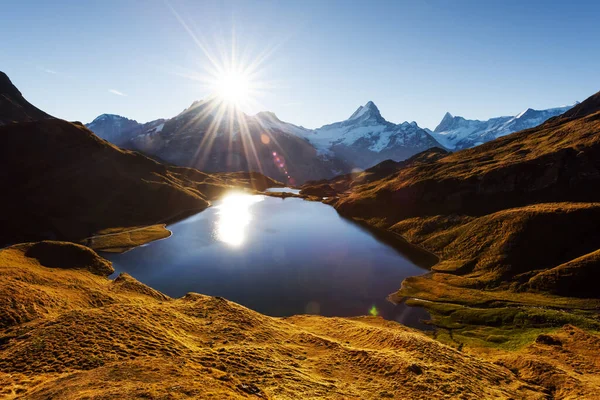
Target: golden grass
<point>75,334</point>
<point>119,240</point>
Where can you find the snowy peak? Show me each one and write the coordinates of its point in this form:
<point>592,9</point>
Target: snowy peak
<point>368,111</point>
<point>458,133</point>
<point>366,138</point>
<point>104,118</point>
<point>120,130</point>
<point>372,107</point>
<point>267,120</point>
<point>445,123</point>
<point>524,113</point>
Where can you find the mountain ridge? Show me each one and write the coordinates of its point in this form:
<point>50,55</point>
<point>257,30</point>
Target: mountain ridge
<point>14,107</point>
<point>367,138</point>
<point>457,133</point>
<point>361,141</point>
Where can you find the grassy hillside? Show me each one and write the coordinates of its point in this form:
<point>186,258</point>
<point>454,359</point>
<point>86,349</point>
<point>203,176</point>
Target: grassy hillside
<point>68,332</point>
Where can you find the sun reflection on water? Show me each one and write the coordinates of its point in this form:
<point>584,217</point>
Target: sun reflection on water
<point>234,217</point>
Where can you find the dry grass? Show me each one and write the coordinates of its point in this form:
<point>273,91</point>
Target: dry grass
<point>75,334</point>
<point>119,240</point>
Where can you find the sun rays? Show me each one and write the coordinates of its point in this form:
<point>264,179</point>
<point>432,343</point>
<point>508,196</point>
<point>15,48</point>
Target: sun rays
<point>233,87</point>
<point>232,79</point>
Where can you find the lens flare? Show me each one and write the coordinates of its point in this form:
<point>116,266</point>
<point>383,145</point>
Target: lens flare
<point>373,311</point>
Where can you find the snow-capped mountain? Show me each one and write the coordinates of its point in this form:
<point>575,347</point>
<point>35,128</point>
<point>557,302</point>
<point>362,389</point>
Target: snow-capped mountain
<point>120,130</point>
<point>211,137</point>
<point>215,138</point>
<point>366,138</point>
<point>456,133</point>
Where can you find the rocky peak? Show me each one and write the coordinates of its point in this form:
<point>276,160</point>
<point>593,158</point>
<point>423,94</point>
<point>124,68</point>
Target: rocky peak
<point>445,123</point>
<point>13,107</point>
<point>525,113</point>
<point>7,87</point>
<point>368,111</point>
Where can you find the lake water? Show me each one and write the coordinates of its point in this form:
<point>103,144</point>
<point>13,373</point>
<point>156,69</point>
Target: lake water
<point>277,256</point>
<point>283,190</point>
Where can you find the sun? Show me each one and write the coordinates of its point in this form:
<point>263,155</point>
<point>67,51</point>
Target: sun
<point>233,87</point>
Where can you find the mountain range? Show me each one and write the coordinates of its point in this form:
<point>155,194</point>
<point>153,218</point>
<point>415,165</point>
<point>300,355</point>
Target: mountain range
<point>457,133</point>
<point>211,137</point>
<point>120,130</point>
<point>513,224</point>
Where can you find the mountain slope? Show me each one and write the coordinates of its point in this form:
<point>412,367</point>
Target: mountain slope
<point>13,106</point>
<point>458,133</point>
<point>67,183</point>
<point>344,183</point>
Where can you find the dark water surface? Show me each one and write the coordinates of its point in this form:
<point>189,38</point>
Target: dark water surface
<point>277,256</point>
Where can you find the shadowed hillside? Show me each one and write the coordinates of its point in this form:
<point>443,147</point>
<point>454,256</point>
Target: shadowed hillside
<point>385,168</point>
<point>67,183</point>
<point>63,182</point>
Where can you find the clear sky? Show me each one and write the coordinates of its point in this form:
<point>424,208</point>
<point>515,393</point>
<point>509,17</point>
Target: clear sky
<point>321,59</point>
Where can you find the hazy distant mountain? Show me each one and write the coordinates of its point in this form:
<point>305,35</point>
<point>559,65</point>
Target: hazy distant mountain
<point>14,107</point>
<point>120,130</point>
<point>456,133</point>
<point>366,138</point>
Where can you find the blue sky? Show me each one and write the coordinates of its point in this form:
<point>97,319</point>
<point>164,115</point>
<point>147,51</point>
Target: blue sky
<point>414,59</point>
